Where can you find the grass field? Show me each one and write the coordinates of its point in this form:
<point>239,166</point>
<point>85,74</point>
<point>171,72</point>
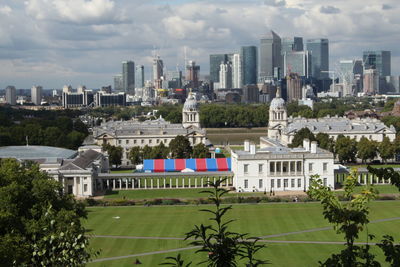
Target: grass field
<point>255,219</point>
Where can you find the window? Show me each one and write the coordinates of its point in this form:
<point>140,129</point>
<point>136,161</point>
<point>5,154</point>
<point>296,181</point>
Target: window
<point>150,141</point>
<point>299,183</point>
<point>158,141</point>
<point>246,183</point>
<point>134,141</point>
<point>325,166</point>
<point>260,168</point>
<point>292,183</point>
<point>85,188</point>
<point>298,167</point>
<point>126,141</point>
<point>325,181</point>
<point>119,141</point>
<point>165,141</point>
<point>246,168</point>
<point>310,167</point>
<point>142,141</point>
<point>272,167</point>
<point>278,166</point>
<point>278,183</point>
<point>272,183</point>
<point>260,183</point>
<point>285,183</point>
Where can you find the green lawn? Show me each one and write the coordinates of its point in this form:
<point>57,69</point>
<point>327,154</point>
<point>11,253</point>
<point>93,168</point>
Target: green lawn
<point>257,220</point>
<point>121,171</point>
<point>382,189</point>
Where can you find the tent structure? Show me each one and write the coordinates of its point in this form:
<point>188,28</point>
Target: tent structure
<point>177,165</point>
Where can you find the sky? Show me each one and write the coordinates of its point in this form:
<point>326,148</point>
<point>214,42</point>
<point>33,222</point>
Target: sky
<point>82,42</point>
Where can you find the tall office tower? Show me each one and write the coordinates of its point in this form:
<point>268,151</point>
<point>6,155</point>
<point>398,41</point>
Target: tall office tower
<point>290,44</point>
<point>158,72</point>
<point>270,58</point>
<point>225,75</point>
<point>215,62</point>
<point>248,59</point>
<point>319,49</point>
<point>174,79</point>
<point>347,73</point>
<point>11,95</point>
<point>81,89</point>
<point>293,87</point>
<point>371,81</point>
<point>192,74</point>
<point>67,89</point>
<point>297,62</point>
<point>128,77</point>
<point>236,72</point>
<point>139,76</point>
<point>379,60</point>
<point>118,84</point>
<point>36,95</point>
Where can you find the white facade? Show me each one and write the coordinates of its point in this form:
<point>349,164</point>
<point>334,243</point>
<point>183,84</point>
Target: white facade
<point>11,95</point>
<point>279,168</point>
<point>236,72</point>
<point>36,95</point>
<point>190,112</point>
<point>225,75</point>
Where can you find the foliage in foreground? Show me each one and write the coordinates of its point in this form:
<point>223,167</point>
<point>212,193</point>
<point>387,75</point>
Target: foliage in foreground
<point>39,225</point>
<point>223,247</point>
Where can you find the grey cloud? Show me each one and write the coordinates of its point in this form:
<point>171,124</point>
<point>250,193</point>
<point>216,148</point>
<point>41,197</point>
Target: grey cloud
<point>276,3</point>
<point>386,7</point>
<point>329,10</point>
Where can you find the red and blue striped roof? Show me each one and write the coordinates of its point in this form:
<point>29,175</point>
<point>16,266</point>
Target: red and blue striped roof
<point>177,165</point>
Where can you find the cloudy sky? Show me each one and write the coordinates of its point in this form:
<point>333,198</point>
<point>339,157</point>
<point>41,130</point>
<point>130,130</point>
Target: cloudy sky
<point>57,42</point>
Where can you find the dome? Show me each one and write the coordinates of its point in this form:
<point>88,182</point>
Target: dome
<point>190,103</point>
<point>277,103</point>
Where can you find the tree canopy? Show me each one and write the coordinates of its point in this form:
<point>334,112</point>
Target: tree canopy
<point>303,133</point>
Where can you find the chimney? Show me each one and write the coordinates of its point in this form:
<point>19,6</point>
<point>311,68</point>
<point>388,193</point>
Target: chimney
<point>306,144</point>
<point>313,147</point>
<point>247,145</point>
<point>252,149</point>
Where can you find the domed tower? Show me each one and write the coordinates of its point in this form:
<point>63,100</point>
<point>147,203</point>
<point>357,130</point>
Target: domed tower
<point>190,112</point>
<point>277,117</point>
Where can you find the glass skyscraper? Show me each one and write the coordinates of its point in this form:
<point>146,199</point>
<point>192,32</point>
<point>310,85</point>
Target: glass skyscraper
<point>139,76</point>
<point>298,62</point>
<point>128,77</point>
<point>319,49</point>
<point>270,58</point>
<point>248,58</point>
<point>215,62</point>
<point>379,60</point>
<point>292,44</point>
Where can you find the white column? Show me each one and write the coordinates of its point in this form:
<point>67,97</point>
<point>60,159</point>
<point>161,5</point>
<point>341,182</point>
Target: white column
<point>120,183</point>
<point>165,184</point>
<point>81,184</point>
<point>126,183</point>
<point>189,182</point>
<point>208,180</point>
<point>195,182</point>
<point>201,182</point>
<point>108,183</point>
<point>151,181</point>
<point>145,183</point>
<point>133,183</point>
<point>214,180</point>
<point>139,183</point>
<point>177,182</point>
<point>113,184</point>
<point>158,182</point>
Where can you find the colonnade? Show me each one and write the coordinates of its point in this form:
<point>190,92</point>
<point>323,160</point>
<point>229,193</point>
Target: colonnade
<point>363,178</point>
<point>115,183</point>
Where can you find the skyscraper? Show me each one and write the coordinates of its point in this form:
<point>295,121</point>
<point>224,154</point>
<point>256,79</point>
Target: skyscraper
<point>118,84</point>
<point>36,95</point>
<point>128,77</point>
<point>139,76</point>
<point>298,62</point>
<point>270,59</point>
<point>225,75</point>
<point>11,95</point>
<point>236,71</point>
<point>248,59</point>
<point>215,62</point>
<point>192,74</point>
<point>293,87</point>
<point>158,72</point>
<point>378,60</point>
<point>319,49</point>
<point>290,44</point>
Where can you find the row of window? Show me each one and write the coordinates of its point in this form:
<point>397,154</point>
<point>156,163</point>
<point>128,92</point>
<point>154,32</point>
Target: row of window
<point>142,141</point>
<point>285,166</point>
<point>279,183</point>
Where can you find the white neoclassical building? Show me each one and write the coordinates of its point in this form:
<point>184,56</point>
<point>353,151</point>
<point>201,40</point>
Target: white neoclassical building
<point>282,128</point>
<point>128,134</point>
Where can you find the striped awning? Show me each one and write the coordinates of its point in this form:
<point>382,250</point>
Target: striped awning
<point>177,165</point>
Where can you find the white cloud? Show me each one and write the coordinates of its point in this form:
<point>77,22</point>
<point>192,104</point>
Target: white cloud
<point>5,10</point>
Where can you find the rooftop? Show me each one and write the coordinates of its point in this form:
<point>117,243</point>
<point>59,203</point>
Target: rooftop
<point>36,152</point>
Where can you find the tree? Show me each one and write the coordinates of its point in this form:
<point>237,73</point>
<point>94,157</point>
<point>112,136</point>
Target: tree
<point>366,149</point>
<point>39,225</point>
<point>135,155</point>
<point>51,135</point>
<point>200,151</point>
<point>346,149</point>
<point>349,218</point>
<point>160,151</point>
<point>386,149</point>
<point>223,247</point>
<point>114,154</point>
<point>147,152</point>
<point>180,147</point>
<point>303,133</point>
<point>325,142</point>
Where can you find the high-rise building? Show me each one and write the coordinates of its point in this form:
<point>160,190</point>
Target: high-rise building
<point>236,71</point>
<point>11,95</point>
<point>294,87</point>
<point>248,59</point>
<point>379,60</point>
<point>298,62</point>
<point>158,72</point>
<point>36,95</point>
<point>319,49</point>
<point>215,62</point>
<point>270,58</point>
<point>192,74</point>
<point>371,81</point>
<point>118,84</point>
<point>139,76</point>
<point>174,79</point>
<point>290,44</point>
<point>67,89</point>
<point>225,75</point>
<point>128,77</point>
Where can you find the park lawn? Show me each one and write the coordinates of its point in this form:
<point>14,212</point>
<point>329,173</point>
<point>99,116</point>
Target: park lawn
<point>382,189</point>
<point>121,171</point>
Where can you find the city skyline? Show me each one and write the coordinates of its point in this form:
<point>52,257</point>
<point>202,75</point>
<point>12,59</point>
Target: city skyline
<point>84,42</point>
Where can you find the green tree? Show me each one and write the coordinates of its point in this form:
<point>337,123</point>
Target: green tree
<point>114,154</point>
<point>366,149</point>
<point>147,152</point>
<point>349,218</point>
<point>135,155</point>
<point>39,225</point>
<point>180,147</point>
<point>200,151</point>
<point>325,142</point>
<point>386,149</point>
<point>74,140</point>
<point>303,133</point>
<point>51,135</point>
<point>160,151</point>
<point>346,149</point>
